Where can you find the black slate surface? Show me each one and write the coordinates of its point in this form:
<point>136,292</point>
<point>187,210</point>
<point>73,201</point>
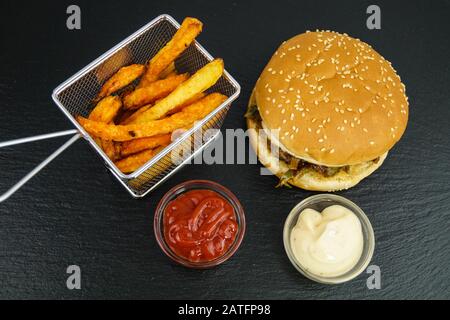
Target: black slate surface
<point>74,212</point>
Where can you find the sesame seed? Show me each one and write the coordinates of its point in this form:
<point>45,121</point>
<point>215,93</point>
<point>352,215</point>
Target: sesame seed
<point>332,151</point>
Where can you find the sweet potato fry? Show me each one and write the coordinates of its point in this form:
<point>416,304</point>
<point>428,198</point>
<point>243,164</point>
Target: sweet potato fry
<point>199,82</point>
<point>172,74</point>
<point>137,145</point>
<point>154,91</point>
<point>131,118</point>
<point>106,109</point>
<point>184,36</point>
<point>195,98</point>
<point>125,114</point>
<point>135,161</point>
<point>184,118</point>
<point>170,70</point>
<point>121,79</point>
<point>111,148</point>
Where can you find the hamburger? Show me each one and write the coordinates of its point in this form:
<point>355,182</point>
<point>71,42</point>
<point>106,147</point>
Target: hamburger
<point>331,107</point>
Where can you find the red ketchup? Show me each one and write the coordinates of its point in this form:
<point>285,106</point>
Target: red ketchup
<point>199,225</point>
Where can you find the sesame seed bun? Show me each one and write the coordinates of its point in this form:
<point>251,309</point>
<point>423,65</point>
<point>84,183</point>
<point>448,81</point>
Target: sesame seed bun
<point>334,99</point>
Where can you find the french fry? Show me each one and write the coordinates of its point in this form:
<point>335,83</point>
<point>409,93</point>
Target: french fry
<point>195,98</point>
<point>189,30</point>
<point>177,109</point>
<point>135,161</point>
<point>170,70</point>
<point>106,109</point>
<point>199,82</point>
<point>138,112</point>
<point>154,91</point>
<point>184,118</point>
<point>172,74</point>
<point>137,145</point>
<point>123,116</point>
<point>121,79</point>
<point>111,148</point>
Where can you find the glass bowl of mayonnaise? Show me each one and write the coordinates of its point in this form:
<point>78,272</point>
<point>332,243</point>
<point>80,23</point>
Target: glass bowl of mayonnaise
<point>328,239</point>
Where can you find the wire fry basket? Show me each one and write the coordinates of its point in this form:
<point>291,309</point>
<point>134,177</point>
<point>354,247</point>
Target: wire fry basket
<point>74,97</point>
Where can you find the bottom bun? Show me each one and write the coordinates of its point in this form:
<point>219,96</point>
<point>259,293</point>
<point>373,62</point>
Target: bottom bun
<point>307,178</point>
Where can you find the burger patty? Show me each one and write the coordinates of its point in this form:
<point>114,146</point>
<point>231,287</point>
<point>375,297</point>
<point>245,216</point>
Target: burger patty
<point>295,164</point>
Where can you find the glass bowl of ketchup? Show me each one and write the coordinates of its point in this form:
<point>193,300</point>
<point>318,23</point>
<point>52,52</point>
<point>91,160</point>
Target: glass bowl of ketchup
<point>199,224</point>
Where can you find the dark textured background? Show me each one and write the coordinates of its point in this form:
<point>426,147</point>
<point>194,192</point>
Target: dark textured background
<point>74,212</point>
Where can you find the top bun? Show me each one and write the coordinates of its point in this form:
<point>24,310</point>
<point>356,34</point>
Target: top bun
<point>334,99</point>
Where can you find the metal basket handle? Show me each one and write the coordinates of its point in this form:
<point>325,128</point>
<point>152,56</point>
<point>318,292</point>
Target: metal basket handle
<point>41,166</point>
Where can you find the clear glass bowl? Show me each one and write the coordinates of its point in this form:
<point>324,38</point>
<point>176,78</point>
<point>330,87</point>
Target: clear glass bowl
<point>320,202</point>
<point>196,185</point>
